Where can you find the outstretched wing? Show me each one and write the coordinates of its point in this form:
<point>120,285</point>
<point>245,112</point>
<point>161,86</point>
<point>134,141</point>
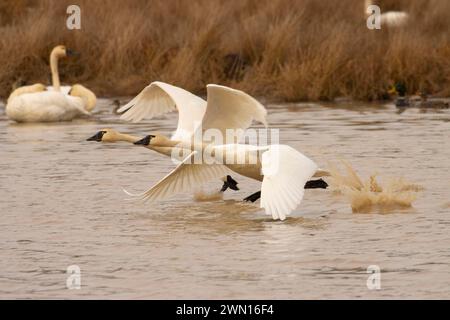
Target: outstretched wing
<point>231,109</point>
<point>286,172</point>
<point>159,98</point>
<point>185,177</point>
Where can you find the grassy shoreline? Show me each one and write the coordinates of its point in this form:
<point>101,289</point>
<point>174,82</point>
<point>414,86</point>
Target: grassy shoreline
<point>299,50</point>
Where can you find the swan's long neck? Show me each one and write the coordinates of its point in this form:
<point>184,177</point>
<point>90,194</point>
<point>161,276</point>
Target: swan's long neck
<point>167,151</point>
<point>126,138</point>
<point>168,147</point>
<point>54,69</point>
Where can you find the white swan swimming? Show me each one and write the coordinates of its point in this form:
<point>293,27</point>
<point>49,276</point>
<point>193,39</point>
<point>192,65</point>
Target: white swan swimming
<point>37,103</point>
<point>390,18</point>
<point>226,108</point>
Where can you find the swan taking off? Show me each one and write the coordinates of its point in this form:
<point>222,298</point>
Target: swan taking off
<point>37,103</point>
<point>390,18</point>
<point>226,108</point>
<point>284,172</point>
<point>111,136</point>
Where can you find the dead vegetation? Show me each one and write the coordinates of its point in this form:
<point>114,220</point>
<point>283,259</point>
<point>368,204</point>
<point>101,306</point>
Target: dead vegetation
<point>288,50</point>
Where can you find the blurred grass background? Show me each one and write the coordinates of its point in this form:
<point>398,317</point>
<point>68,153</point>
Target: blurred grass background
<point>286,50</point>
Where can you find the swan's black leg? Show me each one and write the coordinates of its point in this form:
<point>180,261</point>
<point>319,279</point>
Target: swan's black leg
<point>253,197</point>
<point>229,183</point>
<point>312,184</point>
<point>316,184</point>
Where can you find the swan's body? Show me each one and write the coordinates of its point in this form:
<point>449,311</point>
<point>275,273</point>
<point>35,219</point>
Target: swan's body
<point>38,103</point>
<point>62,89</point>
<point>390,18</point>
<point>38,87</point>
<point>394,18</point>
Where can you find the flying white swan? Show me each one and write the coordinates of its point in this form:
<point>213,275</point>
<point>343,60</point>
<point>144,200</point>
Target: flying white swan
<point>390,18</point>
<point>226,108</point>
<point>284,172</point>
<point>112,136</point>
<point>37,103</point>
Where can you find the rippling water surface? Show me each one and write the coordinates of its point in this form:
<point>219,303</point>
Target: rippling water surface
<point>61,204</point>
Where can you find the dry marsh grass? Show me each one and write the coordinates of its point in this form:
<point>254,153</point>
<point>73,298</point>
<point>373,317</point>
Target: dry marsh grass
<point>290,50</point>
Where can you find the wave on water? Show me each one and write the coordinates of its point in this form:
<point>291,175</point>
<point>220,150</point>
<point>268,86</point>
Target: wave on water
<point>370,195</point>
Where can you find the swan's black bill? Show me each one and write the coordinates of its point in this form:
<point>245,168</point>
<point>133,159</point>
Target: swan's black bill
<point>97,137</point>
<point>72,53</point>
<point>145,141</point>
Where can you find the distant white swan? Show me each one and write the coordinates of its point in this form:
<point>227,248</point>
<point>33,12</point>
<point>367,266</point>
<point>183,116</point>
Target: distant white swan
<point>37,103</point>
<point>390,18</point>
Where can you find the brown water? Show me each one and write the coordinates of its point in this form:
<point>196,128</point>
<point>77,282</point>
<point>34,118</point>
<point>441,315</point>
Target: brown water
<point>62,204</point>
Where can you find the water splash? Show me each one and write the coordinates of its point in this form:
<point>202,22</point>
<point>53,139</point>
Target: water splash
<point>370,195</point>
<point>202,196</point>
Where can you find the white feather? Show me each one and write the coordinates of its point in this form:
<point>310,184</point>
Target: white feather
<point>286,172</point>
<point>63,89</point>
<point>226,108</point>
<point>159,98</point>
<point>185,177</point>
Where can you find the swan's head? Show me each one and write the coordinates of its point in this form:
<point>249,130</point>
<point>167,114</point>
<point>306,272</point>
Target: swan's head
<point>87,95</point>
<point>38,87</point>
<point>105,135</point>
<point>62,51</point>
<point>147,140</point>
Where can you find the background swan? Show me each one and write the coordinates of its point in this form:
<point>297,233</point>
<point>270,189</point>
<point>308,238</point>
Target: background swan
<point>389,18</point>
<point>36,103</point>
<point>57,53</point>
<point>38,87</point>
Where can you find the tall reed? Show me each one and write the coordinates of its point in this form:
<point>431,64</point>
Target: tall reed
<point>281,49</point>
